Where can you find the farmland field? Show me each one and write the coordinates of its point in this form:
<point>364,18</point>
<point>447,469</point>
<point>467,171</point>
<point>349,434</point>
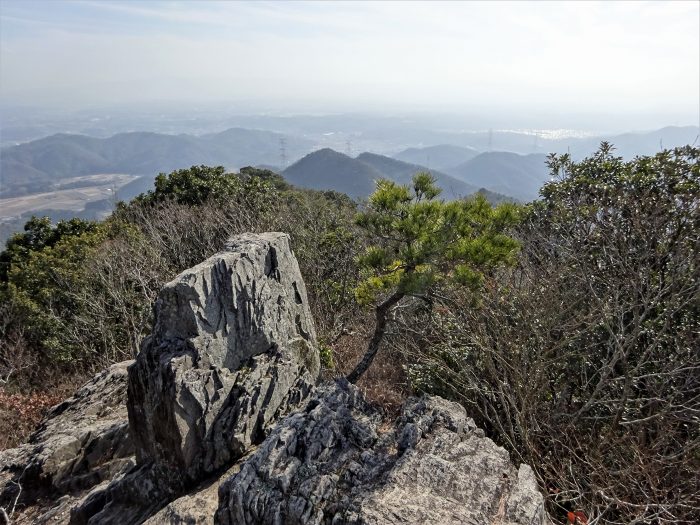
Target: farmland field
<point>89,188</point>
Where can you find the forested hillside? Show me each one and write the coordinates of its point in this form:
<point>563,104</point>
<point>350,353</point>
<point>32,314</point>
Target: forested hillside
<point>327,169</point>
<point>568,327</point>
<point>40,164</point>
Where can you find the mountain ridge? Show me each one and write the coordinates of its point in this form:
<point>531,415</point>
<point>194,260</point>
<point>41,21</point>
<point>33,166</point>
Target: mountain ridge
<point>327,169</point>
<point>35,166</point>
<point>349,175</point>
<point>440,156</point>
<point>520,176</point>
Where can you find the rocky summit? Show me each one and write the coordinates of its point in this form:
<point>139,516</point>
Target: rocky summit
<point>233,347</point>
<point>332,463</point>
<point>221,419</point>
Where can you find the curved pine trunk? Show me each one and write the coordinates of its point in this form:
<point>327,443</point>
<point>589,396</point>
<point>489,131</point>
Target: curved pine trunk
<point>382,313</point>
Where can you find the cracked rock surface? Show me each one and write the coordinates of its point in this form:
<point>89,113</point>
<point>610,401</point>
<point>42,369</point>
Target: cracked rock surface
<point>330,464</point>
<point>219,420</point>
<point>81,443</point>
<point>233,348</point>
<point>233,344</point>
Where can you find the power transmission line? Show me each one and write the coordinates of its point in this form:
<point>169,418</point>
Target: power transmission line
<point>283,152</point>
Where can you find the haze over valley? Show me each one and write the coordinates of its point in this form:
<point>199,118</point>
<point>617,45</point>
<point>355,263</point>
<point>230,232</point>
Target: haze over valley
<point>65,174</point>
<point>100,97</point>
<point>349,262</point>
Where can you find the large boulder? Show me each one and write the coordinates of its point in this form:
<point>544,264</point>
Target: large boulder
<point>233,345</point>
<point>233,348</point>
<point>226,425</point>
<point>82,442</point>
<point>332,464</point>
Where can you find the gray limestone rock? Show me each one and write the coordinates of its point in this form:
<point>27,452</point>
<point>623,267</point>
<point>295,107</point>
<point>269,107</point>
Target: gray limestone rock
<point>233,348</point>
<point>330,464</point>
<point>198,507</point>
<point>233,345</point>
<point>225,425</point>
<point>80,443</point>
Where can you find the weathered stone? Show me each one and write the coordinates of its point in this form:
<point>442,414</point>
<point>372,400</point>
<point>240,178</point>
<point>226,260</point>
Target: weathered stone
<point>233,345</point>
<point>79,444</point>
<point>197,507</point>
<point>330,464</point>
<point>228,426</point>
<point>233,348</point>
<point>128,499</point>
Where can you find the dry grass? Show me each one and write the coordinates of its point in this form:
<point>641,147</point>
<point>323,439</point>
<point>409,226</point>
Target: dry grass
<point>385,383</point>
<point>21,413</point>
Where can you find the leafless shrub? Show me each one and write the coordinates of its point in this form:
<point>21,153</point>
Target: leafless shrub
<point>326,244</point>
<point>15,356</point>
<point>149,245</point>
<point>21,413</point>
<point>584,360</point>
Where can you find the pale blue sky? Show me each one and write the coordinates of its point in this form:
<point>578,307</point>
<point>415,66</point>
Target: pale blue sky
<point>458,56</point>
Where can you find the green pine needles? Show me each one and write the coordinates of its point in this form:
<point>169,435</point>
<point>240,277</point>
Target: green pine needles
<point>421,241</point>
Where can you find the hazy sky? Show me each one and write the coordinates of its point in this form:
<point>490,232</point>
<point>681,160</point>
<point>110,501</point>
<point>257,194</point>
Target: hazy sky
<point>577,57</point>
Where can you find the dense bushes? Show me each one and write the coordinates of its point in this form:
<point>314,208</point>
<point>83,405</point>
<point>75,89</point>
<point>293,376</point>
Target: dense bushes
<point>77,296</point>
<point>585,360</point>
<point>582,359</point>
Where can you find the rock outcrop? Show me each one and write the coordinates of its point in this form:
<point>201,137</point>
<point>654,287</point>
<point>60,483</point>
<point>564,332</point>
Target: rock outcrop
<point>81,443</point>
<point>331,464</point>
<point>233,348</point>
<point>233,345</point>
<point>226,425</point>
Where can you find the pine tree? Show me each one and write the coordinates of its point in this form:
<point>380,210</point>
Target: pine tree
<point>421,241</point>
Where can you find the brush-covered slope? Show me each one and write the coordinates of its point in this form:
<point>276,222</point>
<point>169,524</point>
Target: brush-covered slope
<point>221,419</point>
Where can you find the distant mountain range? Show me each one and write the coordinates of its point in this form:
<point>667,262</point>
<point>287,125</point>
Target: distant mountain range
<point>461,161</point>
<point>513,172</point>
<point>629,145</point>
<point>38,165</point>
<point>403,172</point>
<point>520,176</point>
<point>327,169</point>
<point>440,157</point>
